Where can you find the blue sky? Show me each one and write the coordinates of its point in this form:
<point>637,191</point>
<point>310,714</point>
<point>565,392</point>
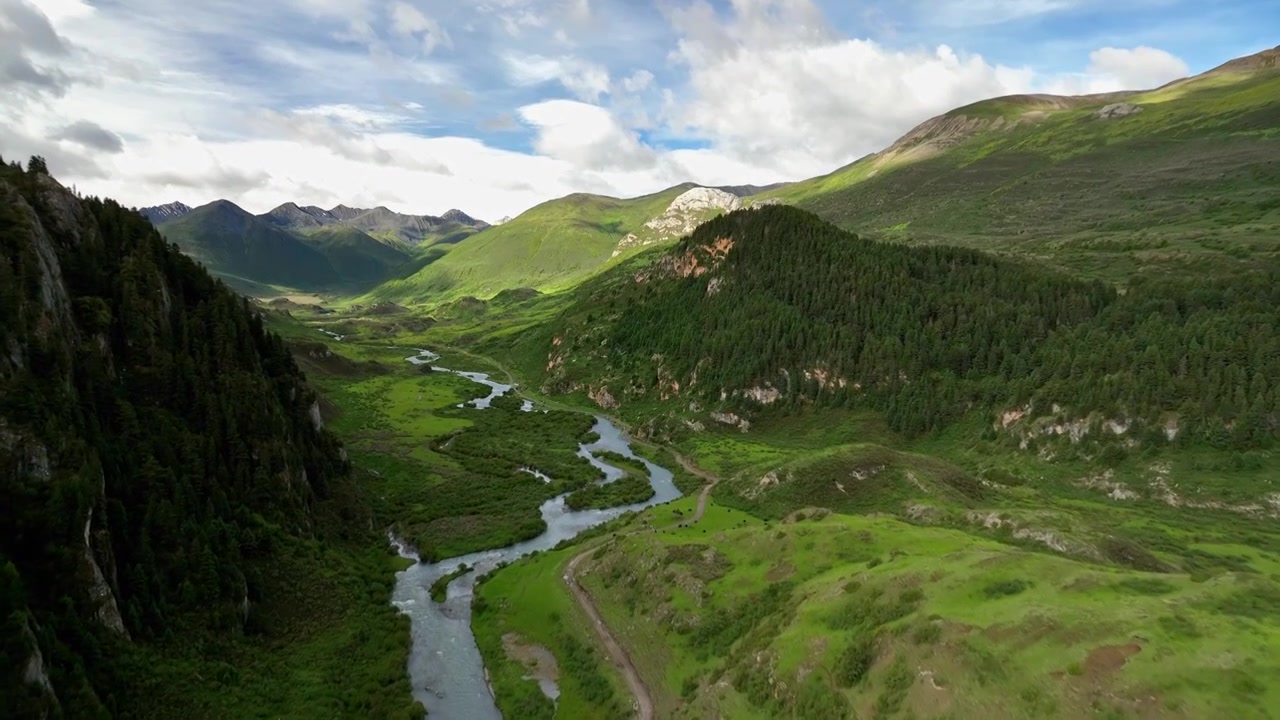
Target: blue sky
<point>495,105</point>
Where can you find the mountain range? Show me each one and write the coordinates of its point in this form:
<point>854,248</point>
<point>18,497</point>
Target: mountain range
<point>308,248</point>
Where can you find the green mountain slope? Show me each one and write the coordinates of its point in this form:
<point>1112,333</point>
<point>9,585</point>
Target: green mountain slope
<point>1181,179</point>
<point>231,241</point>
<point>773,306</point>
<point>172,500</point>
<point>250,252</point>
<point>551,245</point>
<point>358,258</point>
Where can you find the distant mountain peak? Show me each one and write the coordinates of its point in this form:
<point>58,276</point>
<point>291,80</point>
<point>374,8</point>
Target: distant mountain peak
<point>289,215</point>
<point>457,216</point>
<point>345,212</point>
<point>225,206</point>
<point>169,211</point>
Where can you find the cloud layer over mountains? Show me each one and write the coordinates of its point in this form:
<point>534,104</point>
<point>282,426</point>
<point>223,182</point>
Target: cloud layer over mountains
<point>495,105</point>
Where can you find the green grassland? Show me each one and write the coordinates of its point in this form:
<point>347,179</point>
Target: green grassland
<point>826,615</point>
<point>887,617</point>
<point>532,604</point>
<point>449,479</point>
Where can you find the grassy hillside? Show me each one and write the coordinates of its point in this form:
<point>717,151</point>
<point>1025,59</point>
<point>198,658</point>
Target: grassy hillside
<point>358,258</point>
<point>549,246</point>
<point>958,576</point>
<point>1186,184</point>
<point>844,617</point>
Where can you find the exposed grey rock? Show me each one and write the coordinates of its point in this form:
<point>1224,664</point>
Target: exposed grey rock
<point>682,216</point>
<point>1117,110</point>
<point>314,412</point>
<point>160,213</point>
<point>106,611</point>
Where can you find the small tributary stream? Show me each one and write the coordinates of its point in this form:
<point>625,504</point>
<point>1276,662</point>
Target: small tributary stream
<point>445,668</point>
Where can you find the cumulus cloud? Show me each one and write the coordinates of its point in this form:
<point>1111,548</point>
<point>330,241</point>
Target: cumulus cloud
<point>1137,68</point>
<point>637,81</point>
<point>775,84</point>
<point>91,135</point>
<point>587,136</point>
<point>220,181</point>
<point>344,130</point>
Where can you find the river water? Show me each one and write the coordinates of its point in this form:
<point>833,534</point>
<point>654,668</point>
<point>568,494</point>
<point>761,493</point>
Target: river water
<point>444,663</point>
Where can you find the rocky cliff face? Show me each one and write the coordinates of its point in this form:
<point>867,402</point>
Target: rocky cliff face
<point>683,216</point>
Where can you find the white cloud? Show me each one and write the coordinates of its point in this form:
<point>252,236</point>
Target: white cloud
<point>776,86</point>
<point>1138,68</point>
<point>584,79</point>
<point>357,117</point>
<point>587,136</point>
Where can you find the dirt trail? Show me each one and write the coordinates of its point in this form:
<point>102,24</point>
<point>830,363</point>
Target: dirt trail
<point>617,653</point>
<point>644,700</point>
<point>712,481</point>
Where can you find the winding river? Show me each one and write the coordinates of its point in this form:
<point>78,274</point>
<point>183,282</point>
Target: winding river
<point>445,667</point>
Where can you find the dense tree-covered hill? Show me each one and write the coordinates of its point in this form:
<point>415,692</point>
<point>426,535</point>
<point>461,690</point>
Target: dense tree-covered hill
<point>773,305</point>
<point>158,450</point>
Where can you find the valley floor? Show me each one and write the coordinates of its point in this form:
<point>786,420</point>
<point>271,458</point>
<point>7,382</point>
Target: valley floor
<point>837,570</point>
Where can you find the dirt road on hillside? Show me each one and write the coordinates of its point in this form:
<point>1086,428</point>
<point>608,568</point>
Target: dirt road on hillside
<point>617,653</point>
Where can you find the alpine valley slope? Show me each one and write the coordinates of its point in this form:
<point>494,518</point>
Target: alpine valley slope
<point>1181,179</point>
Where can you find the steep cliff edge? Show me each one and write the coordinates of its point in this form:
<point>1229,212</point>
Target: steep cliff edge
<point>154,439</point>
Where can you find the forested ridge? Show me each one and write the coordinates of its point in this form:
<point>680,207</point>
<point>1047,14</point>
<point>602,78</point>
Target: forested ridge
<point>156,444</point>
<point>775,306</point>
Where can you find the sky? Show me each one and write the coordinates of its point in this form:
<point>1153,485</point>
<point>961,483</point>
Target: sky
<point>493,106</point>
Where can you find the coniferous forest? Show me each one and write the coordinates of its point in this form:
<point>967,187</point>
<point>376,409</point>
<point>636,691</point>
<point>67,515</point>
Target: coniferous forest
<point>776,299</point>
<point>156,443</point>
